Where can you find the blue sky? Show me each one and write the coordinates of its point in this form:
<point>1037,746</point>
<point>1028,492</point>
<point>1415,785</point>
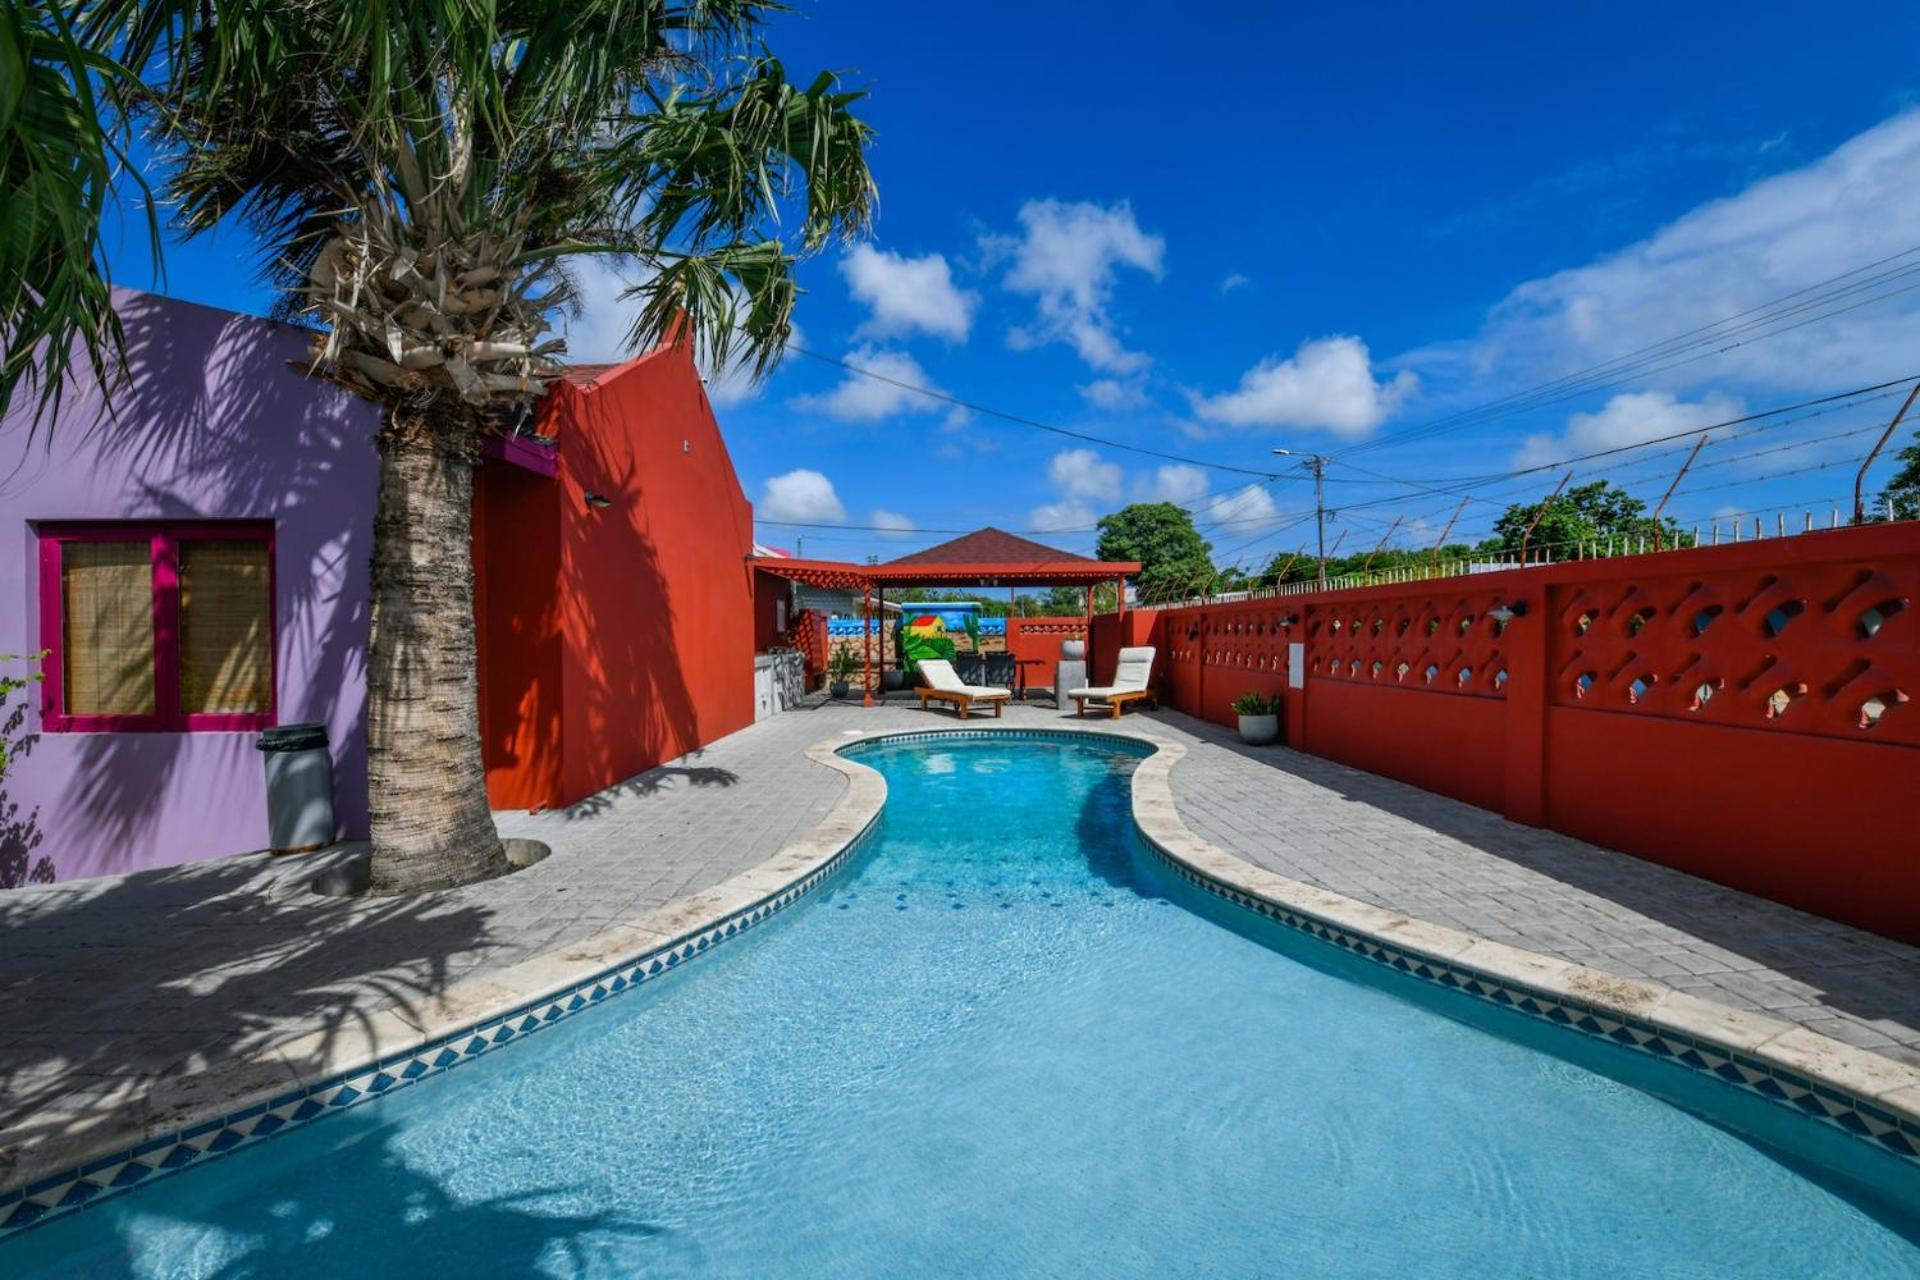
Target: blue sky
<point>1321,229</point>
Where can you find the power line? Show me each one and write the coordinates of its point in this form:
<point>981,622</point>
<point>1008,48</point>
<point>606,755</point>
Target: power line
<point>1646,360</point>
<point>1021,420</point>
<point>1456,486</point>
<point>1863,393</point>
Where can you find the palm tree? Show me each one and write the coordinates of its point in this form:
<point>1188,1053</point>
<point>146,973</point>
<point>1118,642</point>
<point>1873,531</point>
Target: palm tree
<point>419,176</point>
<point>60,135</point>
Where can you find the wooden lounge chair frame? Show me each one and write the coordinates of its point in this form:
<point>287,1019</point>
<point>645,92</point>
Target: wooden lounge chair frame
<point>962,697</point>
<point>1116,698</point>
<point>963,701</point>
<point>1115,701</point>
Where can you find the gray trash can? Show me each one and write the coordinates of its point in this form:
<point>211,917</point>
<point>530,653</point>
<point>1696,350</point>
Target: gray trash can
<point>299,787</point>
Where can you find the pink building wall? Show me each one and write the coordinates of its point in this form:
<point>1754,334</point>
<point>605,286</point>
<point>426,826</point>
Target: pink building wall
<point>214,425</point>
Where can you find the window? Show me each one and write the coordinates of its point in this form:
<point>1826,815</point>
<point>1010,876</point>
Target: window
<point>157,627</point>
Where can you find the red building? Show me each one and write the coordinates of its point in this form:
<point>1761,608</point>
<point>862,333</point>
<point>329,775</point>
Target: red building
<point>613,587</point>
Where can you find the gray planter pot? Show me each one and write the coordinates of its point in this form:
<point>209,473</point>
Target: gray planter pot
<point>1259,730</point>
<point>1073,650</point>
<point>892,678</point>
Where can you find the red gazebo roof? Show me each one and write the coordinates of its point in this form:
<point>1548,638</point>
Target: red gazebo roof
<point>986,558</point>
<point>988,546</point>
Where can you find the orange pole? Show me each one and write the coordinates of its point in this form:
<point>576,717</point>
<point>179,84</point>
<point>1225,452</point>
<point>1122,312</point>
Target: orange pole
<point>866,648</point>
<point>1089,633</point>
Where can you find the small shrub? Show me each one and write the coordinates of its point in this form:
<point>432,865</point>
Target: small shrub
<point>12,721</point>
<point>1256,704</point>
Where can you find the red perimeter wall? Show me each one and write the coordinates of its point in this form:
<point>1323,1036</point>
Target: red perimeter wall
<point>1585,713</point>
<point>616,637</point>
<point>1035,645</point>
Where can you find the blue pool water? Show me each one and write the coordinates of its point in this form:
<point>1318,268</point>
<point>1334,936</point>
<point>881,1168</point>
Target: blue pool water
<point>1005,1043</point>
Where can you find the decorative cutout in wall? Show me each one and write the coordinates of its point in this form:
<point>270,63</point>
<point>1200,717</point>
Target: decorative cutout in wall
<point>1443,645</point>
<point>1825,648</point>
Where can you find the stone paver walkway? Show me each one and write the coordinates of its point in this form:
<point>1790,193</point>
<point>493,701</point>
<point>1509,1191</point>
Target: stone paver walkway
<point>111,987</point>
<point>1451,864</point>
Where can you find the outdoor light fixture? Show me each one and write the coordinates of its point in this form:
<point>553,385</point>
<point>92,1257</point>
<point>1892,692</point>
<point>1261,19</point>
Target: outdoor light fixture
<point>1505,613</point>
<point>597,501</point>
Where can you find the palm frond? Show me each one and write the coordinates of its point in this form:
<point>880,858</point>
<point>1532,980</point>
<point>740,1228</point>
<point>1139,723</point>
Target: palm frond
<point>414,172</point>
<point>61,132</point>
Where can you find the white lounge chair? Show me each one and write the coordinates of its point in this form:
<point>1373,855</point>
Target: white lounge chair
<point>943,684</point>
<point>1132,682</point>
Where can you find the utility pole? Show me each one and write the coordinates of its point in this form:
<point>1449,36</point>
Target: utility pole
<point>1316,463</point>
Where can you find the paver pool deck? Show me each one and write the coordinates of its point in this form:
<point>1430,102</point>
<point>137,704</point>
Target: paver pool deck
<point>114,992</point>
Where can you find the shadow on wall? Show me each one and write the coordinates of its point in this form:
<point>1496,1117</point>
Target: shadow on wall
<point>212,423</point>
<point>636,660</point>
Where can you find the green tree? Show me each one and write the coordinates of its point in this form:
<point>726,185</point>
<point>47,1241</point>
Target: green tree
<point>1903,491</point>
<point>419,177</point>
<point>1162,537</point>
<point>1585,513</point>
<point>1063,602</point>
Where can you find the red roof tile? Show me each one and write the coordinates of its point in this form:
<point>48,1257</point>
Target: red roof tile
<point>989,546</point>
<point>585,375</point>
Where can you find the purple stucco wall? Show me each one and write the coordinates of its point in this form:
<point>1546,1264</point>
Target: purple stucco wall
<point>215,424</point>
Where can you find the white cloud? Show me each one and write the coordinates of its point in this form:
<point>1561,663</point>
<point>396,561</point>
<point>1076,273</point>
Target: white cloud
<point>1083,474</point>
<point>1066,258</point>
<point>1189,487</point>
<point>802,495</point>
<point>1080,478</point>
<point>1052,517</point>
<point>1242,506</point>
<point>1177,483</point>
<point>907,295</point>
<point>1779,235</point>
<point>1234,281</point>
<point>892,523</point>
<point>1626,419</point>
<point>859,398</point>
<point>1113,395</point>
<point>1086,485</point>
<point>1328,383</point>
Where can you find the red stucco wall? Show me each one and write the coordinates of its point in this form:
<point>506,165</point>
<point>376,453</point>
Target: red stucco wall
<point>1803,805</point>
<point>637,647</point>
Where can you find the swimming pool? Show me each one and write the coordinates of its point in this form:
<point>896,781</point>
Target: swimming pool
<point>1005,1040</point>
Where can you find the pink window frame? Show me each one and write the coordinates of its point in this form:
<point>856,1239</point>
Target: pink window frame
<point>164,542</point>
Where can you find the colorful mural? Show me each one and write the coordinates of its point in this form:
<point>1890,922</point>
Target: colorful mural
<point>924,636</point>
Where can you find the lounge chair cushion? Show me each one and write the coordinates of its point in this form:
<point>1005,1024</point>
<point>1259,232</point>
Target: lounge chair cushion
<point>1131,675</point>
<point>942,677</point>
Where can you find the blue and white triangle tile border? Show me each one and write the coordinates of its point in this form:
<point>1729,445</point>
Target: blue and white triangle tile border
<point>63,1193</point>
<point>1857,1117</point>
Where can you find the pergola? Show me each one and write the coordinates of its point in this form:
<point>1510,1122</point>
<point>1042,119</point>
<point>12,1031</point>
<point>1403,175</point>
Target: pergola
<point>985,558</point>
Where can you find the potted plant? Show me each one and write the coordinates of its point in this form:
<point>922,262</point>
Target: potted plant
<point>839,670</point>
<point>1259,717</point>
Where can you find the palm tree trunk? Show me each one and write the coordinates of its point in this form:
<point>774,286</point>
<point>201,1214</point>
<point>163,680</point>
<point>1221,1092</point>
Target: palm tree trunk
<point>427,788</point>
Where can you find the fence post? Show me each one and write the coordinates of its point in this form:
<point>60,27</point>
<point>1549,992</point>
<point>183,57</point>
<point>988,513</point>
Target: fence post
<point>1524,646</point>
